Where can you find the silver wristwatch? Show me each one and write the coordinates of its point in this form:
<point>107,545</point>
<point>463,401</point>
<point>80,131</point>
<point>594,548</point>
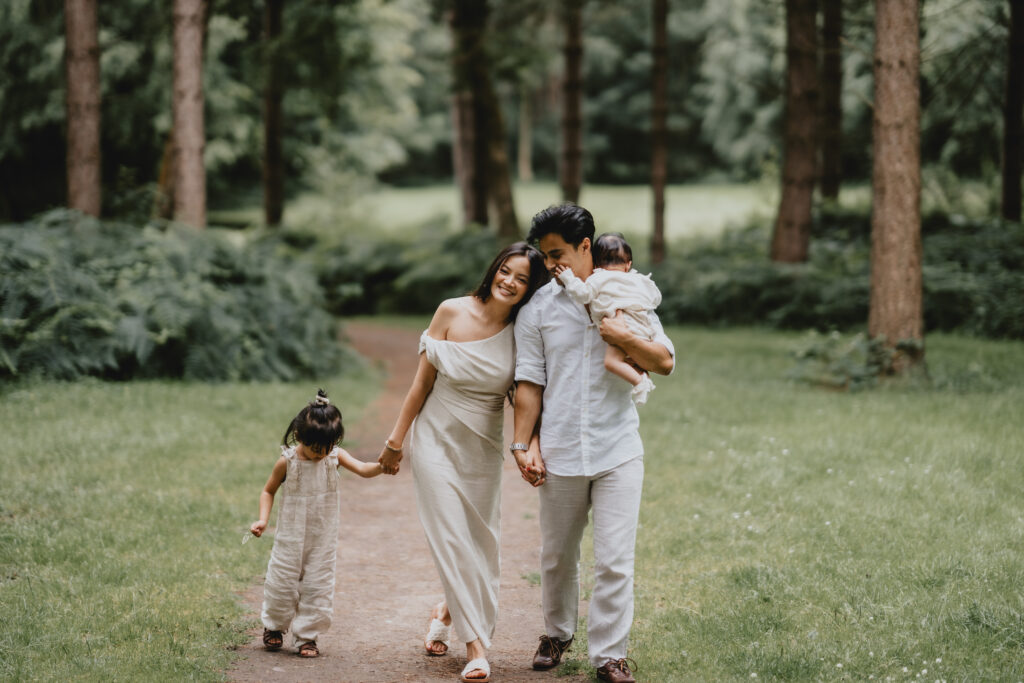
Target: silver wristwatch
<point>518,446</point>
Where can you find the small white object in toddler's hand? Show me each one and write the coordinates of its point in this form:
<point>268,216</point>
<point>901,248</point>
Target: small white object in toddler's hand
<point>247,536</point>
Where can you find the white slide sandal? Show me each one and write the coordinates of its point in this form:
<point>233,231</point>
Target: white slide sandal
<point>478,664</point>
<point>438,633</point>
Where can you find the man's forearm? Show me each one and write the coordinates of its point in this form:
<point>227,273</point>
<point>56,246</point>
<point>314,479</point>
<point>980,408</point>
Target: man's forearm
<point>649,355</point>
<point>529,398</point>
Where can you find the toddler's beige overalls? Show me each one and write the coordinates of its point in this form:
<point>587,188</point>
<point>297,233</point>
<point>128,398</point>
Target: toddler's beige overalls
<point>298,594</point>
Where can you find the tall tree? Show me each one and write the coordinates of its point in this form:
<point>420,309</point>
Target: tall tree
<point>792,234</point>
<point>499,175</point>
<point>659,126</point>
<point>831,98</point>
<point>570,168</point>
<point>1013,110</point>
<point>896,312</point>
<point>187,103</point>
<point>468,21</point>
<point>82,62</point>
<point>273,114</point>
<point>524,148</point>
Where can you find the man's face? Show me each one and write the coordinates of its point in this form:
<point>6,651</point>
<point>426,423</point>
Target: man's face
<point>559,252</point>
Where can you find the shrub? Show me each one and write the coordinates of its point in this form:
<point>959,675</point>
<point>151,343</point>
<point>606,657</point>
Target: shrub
<point>973,278</point>
<point>846,364</point>
<point>405,276</point>
<point>84,297</point>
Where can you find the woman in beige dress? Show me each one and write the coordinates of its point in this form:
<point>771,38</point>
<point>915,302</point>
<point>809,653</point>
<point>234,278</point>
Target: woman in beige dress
<point>453,414</point>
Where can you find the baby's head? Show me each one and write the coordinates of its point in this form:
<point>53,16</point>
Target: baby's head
<point>612,252</point>
<point>317,426</point>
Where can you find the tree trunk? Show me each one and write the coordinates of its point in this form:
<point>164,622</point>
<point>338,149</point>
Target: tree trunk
<point>273,116</point>
<point>659,126</point>
<point>462,153</point>
<point>896,299</point>
<point>570,170</point>
<point>498,170</point>
<point>524,151</point>
<point>831,95</point>
<point>1013,109</point>
<point>792,234</point>
<point>82,62</point>
<point>468,21</point>
<point>189,134</point>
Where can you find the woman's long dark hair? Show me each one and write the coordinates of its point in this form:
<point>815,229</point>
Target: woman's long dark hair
<point>317,426</point>
<point>539,275</point>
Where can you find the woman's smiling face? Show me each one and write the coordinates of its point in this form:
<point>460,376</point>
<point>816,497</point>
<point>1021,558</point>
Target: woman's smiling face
<point>512,280</point>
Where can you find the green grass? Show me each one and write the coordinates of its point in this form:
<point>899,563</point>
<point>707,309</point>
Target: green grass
<point>691,210</point>
<point>122,509</point>
<point>801,534</point>
<point>785,530</point>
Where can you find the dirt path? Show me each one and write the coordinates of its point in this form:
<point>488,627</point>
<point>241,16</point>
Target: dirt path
<point>386,581</point>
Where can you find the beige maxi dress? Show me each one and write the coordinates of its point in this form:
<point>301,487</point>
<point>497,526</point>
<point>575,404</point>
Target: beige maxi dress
<point>456,452</point>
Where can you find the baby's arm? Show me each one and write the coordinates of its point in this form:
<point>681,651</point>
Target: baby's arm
<point>576,287</point>
<point>363,469</point>
<point>267,496</point>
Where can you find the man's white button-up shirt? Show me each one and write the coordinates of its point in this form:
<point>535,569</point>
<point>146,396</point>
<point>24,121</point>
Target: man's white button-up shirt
<point>589,423</point>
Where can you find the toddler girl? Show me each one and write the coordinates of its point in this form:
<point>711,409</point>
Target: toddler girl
<point>615,286</point>
<point>299,588</point>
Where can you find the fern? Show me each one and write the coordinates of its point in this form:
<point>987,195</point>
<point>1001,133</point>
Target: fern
<point>80,297</point>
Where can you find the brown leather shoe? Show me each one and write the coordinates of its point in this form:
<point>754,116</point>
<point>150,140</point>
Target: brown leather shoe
<point>549,652</point>
<point>616,671</point>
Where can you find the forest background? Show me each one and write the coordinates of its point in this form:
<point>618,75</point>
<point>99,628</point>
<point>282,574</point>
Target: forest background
<point>196,195</point>
<point>213,109</point>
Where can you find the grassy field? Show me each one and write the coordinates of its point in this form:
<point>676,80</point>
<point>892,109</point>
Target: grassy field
<point>691,210</point>
<point>799,534</point>
<point>787,532</point>
<point>122,509</point>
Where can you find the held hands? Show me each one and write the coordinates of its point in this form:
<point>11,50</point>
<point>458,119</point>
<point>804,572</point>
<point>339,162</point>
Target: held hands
<point>258,528</point>
<point>389,459</point>
<point>531,466</point>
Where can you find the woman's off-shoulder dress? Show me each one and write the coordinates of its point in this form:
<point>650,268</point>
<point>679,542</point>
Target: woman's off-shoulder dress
<point>456,453</point>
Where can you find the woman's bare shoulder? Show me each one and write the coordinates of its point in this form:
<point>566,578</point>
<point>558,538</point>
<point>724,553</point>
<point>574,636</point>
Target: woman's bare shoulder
<point>448,312</point>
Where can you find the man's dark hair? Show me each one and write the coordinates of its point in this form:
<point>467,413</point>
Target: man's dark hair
<point>570,221</point>
<point>610,249</point>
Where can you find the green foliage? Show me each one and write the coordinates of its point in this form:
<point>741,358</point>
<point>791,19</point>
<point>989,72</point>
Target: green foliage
<point>401,276</point>
<point>848,364</point>
<point>80,297</point>
<point>973,278</point>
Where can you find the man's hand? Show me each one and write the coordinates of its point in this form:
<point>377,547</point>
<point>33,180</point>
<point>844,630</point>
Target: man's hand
<point>615,331</point>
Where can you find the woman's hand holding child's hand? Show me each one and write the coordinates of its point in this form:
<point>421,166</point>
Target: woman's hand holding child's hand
<point>389,460</point>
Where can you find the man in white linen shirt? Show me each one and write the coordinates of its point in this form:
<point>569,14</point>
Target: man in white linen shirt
<point>587,453</point>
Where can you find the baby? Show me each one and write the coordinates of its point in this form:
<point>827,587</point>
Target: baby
<point>615,286</point>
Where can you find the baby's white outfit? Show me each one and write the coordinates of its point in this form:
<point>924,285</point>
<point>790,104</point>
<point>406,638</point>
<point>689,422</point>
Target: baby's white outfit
<point>299,589</point>
<point>608,291</point>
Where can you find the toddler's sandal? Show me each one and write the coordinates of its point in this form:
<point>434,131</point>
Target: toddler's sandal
<point>272,640</point>
<point>309,649</point>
